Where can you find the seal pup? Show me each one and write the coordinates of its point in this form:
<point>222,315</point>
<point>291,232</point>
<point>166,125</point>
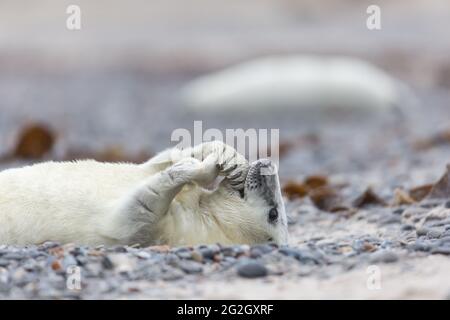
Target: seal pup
<point>162,201</point>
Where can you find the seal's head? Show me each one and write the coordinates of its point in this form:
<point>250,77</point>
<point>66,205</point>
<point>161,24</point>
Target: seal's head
<point>258,208</point>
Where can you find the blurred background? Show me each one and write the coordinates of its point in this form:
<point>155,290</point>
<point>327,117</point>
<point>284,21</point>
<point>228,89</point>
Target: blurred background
<point>112,89</point>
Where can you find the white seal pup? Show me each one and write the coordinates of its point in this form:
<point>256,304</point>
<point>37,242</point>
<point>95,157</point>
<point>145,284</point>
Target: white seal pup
<point>305,83</point>
<point>159,202</point>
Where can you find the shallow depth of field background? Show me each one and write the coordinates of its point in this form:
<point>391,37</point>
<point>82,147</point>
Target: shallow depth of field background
<point>114,85</point>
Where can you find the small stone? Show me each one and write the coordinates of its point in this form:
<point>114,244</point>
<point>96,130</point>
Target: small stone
<point>30,265</point>
<point>422,231</point>
<point>77,251</point>
<point>255,253</point>
<point>289,252</point>
<point>440,223</point>
<point>390,219</point>
<point>56,265</point>
<point>37,254</point>
<point>4,275</point>
<point>217,257</point>
<point>434,234</point>
<point>413,212</point>
<point>13,256</point>
<point>69,261</point>
<point>386,244</point>
<point>430,204</point>
<point>304,256</point>
<point>264,248</point>
<point>190,267</point>
<point>291,220</point>
<point>143,255</point>
<point>160,249</point>
<point>242,251</point>
<point>184,254</point>
<point>48,245</point>
<point>96,253</point>
<point>252,269</point>
<point>384,256</point>
<point>120,249</point>
<point>197,256</point>
<point>107,263</point>
<point>182,249</point>
<point>444,241</point>
<point>207,253</point>
<point>19,276</point>
<point>408,227</point>
<point>172,274</point>
<point>447,204</point>
<point>419,246</point>
<point>4,263</point>
<point>441,250</point>
<point>398,211</point>
<point>368,247</point>
<point>228,252</point>
<point>345,249</point>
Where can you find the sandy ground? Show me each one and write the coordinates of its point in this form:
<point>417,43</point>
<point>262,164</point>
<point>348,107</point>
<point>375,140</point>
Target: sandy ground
<point>421,278</point>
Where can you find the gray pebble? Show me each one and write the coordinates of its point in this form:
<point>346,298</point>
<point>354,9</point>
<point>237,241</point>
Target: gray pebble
<point>184,254</point>
<point>304,256</point>
<point>390,219</point>
<point>291,220</point>
<point>252,269</point>
<point>386,244</point>
<point>4,263</point>
<point>422,231</point>
<point>255,253</point>
<point>197,256</point>
<point>30,265</point>
<point>383,256</point>
<point>434,234</point>
<point>120,249</point>
<point>48,245</point>
<point>289,252</point>
<point>190,267</point>
<point>429,204</point>
<point>69,261</point>
<point>419,246</point>
<point>14,256</point>
<point>228,252</point>
<point>207,253</point>
<point>407,227</point>
<point>107,263</point>
<point>441,250</point>
<point>173,276</point>
<point>439,223</point>
<point>413,212</point>
<point>264,248</point>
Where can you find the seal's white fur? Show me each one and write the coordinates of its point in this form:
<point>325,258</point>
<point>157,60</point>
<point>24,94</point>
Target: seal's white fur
<point>158,202</point>
<point>299,82</point>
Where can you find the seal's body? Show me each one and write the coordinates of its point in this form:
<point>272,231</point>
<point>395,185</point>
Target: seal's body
<point>162,201</point>
<point>307,84</point>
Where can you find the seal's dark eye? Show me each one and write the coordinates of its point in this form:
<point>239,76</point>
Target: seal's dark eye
<point>273,215</point>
